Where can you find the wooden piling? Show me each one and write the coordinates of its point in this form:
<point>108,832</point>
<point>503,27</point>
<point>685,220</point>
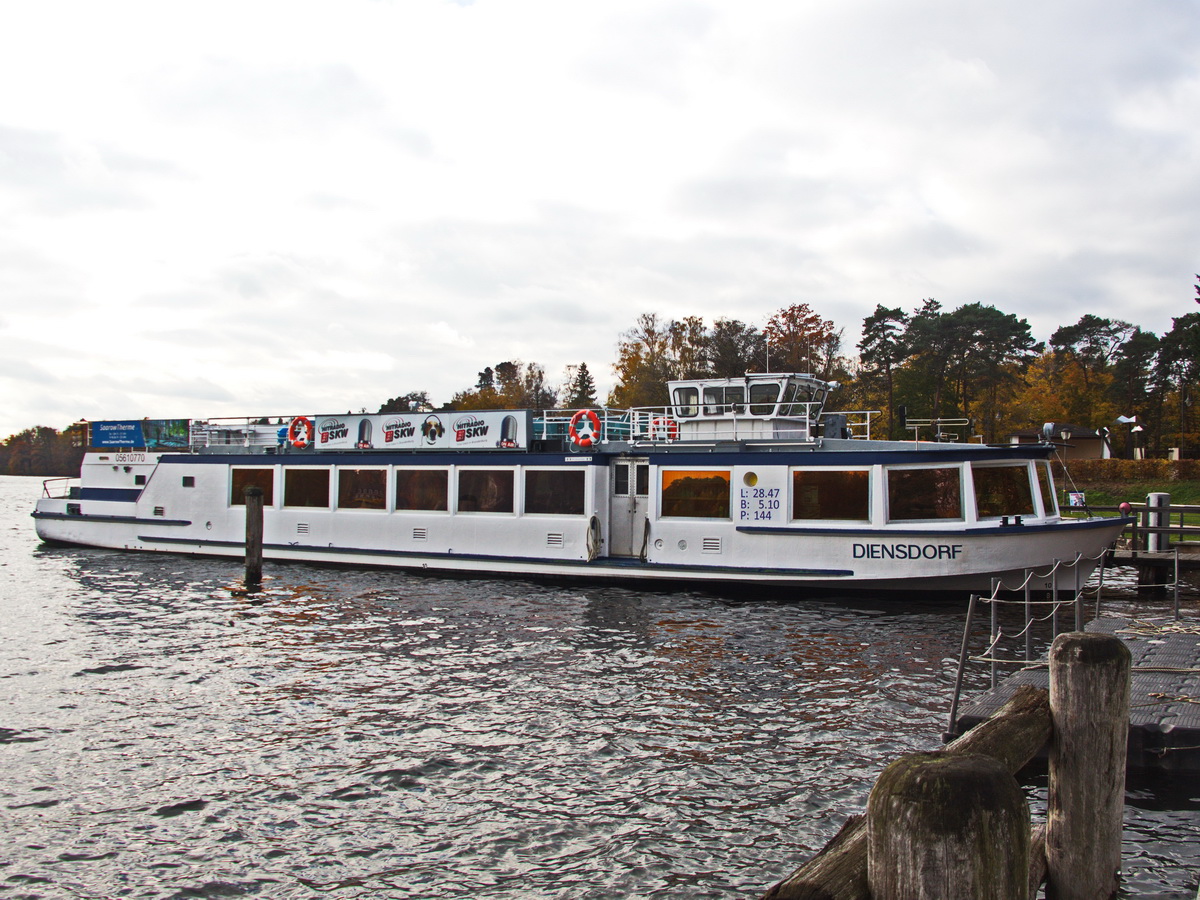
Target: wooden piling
<point>1089,702</point>
<point>1013,736</point>
<point>943,826</point>
<point>254,537</point>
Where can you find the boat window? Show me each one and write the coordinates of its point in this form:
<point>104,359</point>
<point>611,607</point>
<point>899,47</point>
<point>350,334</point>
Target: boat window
<point>721,400</point>
<point>641,480</point>
<point>485,490</point>
<point>362,489</point>
<point>687,401</point>
<point>763,398</point>
<point>306,487</point>
<point>796,399</point>
<point>244,478</point>
<point>837,494</point>
<point>425,489</point>
<point>924,494</point>
<point>1002,491</point>
<point>556,492</point>
<point>695,495</point>
<point>1046,487</point>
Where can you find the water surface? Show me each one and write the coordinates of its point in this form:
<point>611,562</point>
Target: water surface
<point>371,734</point>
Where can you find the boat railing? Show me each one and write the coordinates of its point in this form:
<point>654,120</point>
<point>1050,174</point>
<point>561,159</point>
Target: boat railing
<point>858,421</point>
<point>1023,621</point>
<point>261,432</point>
<point>703,423</point>
<point>65,488</point>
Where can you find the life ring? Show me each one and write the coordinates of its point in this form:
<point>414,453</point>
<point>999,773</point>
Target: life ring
<point>664,428</point>
<point>300,432</point>
<point>584,437</point>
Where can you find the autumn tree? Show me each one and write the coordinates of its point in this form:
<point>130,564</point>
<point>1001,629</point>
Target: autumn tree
<point>1088,349</point>
<point>735,348</point>
<point>644,364</point>
<point>508,385</point>
<point>1176,373</point>
<point>41,451</point>
<point>799,340</point>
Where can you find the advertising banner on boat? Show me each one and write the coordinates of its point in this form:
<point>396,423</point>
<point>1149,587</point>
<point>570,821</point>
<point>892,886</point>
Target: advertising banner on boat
<point>424,431</point>
<point>150,434</point>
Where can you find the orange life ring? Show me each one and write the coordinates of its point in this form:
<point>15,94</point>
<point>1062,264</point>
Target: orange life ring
<point>587,438</point>
<point>300,432</point>
<point>664,427</point>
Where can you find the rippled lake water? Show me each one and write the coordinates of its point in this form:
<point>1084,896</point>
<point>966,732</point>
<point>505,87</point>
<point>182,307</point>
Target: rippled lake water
<point>372,734</point>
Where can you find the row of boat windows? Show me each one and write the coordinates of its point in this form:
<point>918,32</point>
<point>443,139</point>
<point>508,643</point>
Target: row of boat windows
<point>816,494</point>
<point>845,494</point>
<point>554,492</point>
<point>720,400</point>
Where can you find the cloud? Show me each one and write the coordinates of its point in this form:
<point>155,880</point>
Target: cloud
<point>287,207</point>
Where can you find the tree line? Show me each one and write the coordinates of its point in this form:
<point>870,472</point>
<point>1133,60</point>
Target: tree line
<point>974,362</point>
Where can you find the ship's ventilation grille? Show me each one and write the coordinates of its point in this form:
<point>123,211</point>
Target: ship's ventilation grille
<point>710,545</point>
<point>301,528</point>
<point>159,511</point>
<point>554,540</point>
<point>420,534</point>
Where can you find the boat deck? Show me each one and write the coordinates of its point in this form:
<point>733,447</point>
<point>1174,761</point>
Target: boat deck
<point>1164,714</point>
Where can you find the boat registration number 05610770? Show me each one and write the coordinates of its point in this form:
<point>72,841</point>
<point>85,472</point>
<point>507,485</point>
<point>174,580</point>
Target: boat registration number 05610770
<point>758,504</point>
<point>130,457</point>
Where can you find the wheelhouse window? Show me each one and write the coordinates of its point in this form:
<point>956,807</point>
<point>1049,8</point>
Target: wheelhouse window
<point>1046,488</point>
<point>763,398</point>
<point>306,487</point>
<point>721,400</point>
<point>554,492</point>
<point>798,398</point>
<point>924,494</point>
<point>1002,491</point>
<point>423,489</point>
<point>485,490</point>
<point>831,494</point>
<point>695,495</point>
<point>240,479</point>
<point>362,489</point>
<point>687,402</point>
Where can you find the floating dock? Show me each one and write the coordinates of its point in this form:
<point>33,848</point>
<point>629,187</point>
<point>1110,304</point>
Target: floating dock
<point>1164,709</point>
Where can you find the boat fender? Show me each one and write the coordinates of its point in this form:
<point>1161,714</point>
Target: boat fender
<point>584,428</point>
<point>593,538</point>
<point>300,432</point>
<point>664,429</point>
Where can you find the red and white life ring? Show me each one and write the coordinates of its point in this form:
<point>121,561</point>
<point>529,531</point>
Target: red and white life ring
<point>664,428</point>
<point>300,432</point>
<point>589,434</point>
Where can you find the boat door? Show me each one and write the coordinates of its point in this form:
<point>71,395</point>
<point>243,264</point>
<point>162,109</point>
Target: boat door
<point>629,506</point>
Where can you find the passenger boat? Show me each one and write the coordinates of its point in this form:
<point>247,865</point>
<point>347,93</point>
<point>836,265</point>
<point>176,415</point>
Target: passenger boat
<point>741,481</point>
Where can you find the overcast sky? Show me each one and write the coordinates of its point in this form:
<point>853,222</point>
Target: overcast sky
<point>247,207</point>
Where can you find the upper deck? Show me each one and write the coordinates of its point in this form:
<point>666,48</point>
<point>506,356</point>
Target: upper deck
<point>755,412</point>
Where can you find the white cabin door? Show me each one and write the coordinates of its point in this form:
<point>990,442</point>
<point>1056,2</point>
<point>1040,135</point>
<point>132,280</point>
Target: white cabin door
<point>629,506</point>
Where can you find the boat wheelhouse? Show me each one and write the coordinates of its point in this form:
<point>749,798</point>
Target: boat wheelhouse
<point>738,481</point>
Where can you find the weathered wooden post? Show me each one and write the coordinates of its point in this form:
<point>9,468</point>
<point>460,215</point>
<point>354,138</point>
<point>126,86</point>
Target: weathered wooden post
<point>943,826</point>
<point>839,872</point>
<point>1089,703</point>
<point>254,537</point>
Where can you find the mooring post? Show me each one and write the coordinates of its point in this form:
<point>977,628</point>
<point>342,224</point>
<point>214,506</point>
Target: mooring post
<point>944,826</point>
<point>1089,703</point>
<point>254,536</point>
